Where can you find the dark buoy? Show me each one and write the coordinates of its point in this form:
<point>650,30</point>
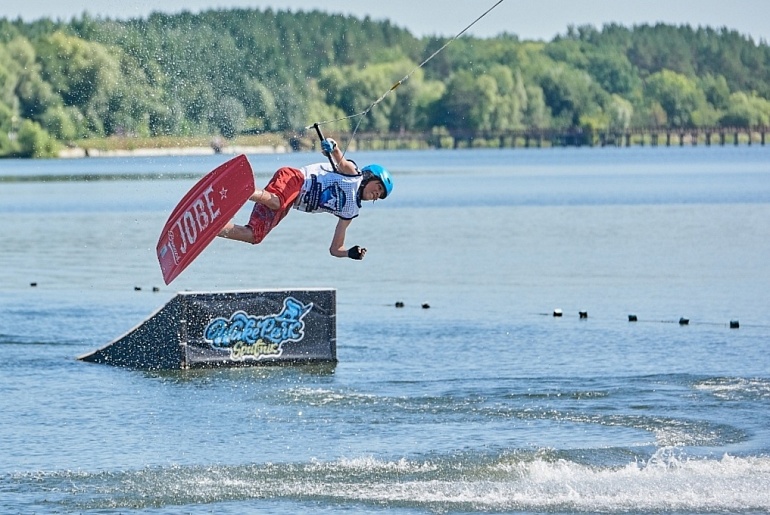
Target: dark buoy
<point>137,288</point>
<point>33,285</point>
<point>557,312</point>
<point>632,318</point>
<point>583,314</point>
<point>155,289</point>
<point>684,321</point>
<point>426,306</point>
<point>399,304</point>
<point>734,324</point>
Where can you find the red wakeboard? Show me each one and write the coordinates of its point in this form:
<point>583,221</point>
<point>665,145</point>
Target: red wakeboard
<point>202,213</point>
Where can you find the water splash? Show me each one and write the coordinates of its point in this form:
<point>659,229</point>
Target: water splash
<point>541,480</point>
<point>736,388</point>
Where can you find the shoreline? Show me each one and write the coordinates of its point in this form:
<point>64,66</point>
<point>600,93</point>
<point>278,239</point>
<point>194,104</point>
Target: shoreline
<point>80,152</point>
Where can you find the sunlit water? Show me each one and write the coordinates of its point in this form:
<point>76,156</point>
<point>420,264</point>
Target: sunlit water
<point>483,402</point>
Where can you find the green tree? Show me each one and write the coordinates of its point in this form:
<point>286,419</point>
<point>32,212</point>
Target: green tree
<point>536,115</point>
<point>467,103</point>
<point>260,105</point>
<point>318,110</point>
<point>510,98</point>
<point>233,70</point>
<point>32,93</point>
<point>746,110</point>
<point>166,118</point>
<point>571,94</point>
<point>229,117</point>
<point>64,123</point>
<point>81,72</point>
<point>198,102</point>
<point>620,112</point>
<point>678,95</point>
<point>613,71</point>
<point>131,106</point>
<point>568,49</point>
<point>353,90</point>
<point>414,104</point>
<point>9,76</point>
<point>34,141</point>
<point>716,89</point>
<point>6,126</point>
<point>662,47</point>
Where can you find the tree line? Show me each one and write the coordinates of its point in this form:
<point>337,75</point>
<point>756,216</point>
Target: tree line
<point>228,72</point>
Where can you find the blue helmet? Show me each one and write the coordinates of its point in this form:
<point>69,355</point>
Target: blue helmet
<point>374,171</point>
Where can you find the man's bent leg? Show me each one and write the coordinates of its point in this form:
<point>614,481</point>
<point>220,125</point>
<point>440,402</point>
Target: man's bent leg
<point>262,221</point>
<point>266,198</point>
<point>237,232</point>
<point>271,205</point>
<point>283,189</point>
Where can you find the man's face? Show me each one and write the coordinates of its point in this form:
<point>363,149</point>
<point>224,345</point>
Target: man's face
<point>373,190</point>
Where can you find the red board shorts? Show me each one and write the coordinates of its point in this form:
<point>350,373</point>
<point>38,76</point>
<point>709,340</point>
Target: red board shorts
<point>286,185</point>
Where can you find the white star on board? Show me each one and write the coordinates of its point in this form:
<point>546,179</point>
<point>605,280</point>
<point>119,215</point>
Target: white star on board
<point>223,193</point>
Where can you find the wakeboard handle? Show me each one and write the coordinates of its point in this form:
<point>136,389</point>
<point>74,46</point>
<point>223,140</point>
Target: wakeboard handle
<point>321,137</point>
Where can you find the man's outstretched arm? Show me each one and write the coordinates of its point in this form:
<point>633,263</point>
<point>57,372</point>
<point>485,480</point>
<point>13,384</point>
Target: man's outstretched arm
<point>337,248</point>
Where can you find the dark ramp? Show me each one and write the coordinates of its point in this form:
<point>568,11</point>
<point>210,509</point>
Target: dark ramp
<point>243,328</point>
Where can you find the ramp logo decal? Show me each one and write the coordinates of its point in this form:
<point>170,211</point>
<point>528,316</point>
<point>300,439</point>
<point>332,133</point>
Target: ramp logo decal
<point>252,337</point>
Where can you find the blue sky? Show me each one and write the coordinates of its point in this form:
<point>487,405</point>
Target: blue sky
<point>542,19</point>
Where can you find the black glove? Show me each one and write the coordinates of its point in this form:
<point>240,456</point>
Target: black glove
<point>356,252</point>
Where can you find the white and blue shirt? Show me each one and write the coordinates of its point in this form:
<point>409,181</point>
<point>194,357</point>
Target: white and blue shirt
<point>327,191</point>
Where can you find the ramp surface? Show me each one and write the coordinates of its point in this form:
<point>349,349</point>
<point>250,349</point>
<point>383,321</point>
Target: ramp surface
<point>242,328</point>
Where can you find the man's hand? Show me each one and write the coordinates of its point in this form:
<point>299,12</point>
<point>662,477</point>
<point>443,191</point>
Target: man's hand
<point>328,145</point>
<point>356,252</point>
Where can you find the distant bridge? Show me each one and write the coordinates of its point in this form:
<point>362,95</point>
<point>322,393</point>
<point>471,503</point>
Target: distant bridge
<point>576,137</point>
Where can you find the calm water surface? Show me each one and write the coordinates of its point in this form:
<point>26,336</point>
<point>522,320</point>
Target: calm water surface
<point>484,402</point>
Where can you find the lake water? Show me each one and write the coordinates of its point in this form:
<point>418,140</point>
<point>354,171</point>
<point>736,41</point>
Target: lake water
<point>484,402</point>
